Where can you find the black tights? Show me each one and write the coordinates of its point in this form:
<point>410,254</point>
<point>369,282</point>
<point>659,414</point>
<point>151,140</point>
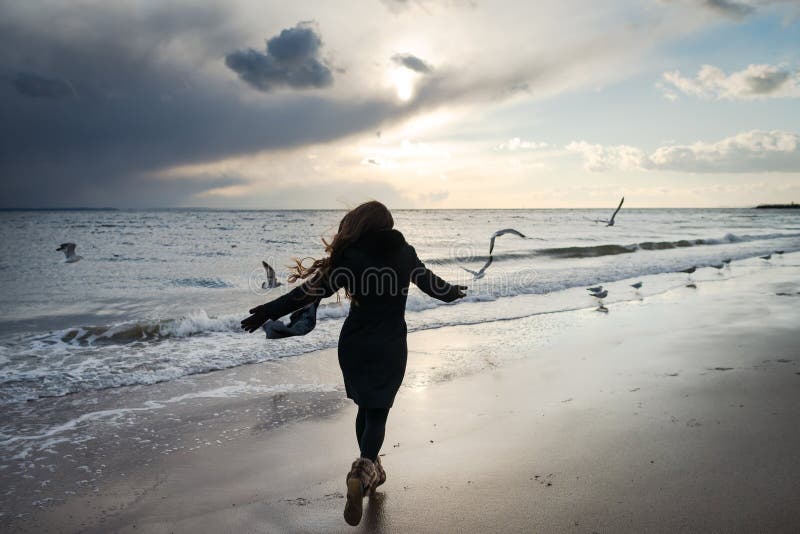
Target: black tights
<point>370,430</point>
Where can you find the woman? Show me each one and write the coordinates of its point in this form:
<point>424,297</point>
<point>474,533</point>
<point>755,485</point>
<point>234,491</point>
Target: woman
<point>373,264</point>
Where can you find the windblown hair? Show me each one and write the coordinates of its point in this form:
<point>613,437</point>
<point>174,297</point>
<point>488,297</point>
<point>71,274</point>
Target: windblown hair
<point>363,219</point>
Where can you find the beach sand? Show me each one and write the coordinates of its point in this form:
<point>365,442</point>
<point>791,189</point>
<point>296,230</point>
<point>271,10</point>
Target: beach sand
<point>676,413</point>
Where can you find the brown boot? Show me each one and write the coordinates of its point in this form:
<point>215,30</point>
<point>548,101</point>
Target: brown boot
<point>381,475</point>
<point>361,478</point>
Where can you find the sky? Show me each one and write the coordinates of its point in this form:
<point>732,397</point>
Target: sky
<point>417,103</point>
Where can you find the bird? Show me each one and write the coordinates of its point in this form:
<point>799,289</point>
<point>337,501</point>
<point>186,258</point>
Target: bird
<point>610,222</point>
<point>503,232</point>
<point>726,261</point>
<point>717,265</point>
<point>477,275</point>
<point>767,257</point>
<point>689,271</point>
<point>272,280</point>
<point>601,294</point>
<point>595,289</point>
<point>779,252</point>
<point>69,251</point>
<point>637,285</point>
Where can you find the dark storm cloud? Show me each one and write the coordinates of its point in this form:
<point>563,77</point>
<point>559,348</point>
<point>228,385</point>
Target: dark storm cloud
<point>291,59</point>
<point>36,86</point>
<point>412,62</point>
<point>151,94</point>
<point>140,110</point>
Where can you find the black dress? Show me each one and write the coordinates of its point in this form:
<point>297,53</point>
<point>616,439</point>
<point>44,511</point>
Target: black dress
<point>376,271</point>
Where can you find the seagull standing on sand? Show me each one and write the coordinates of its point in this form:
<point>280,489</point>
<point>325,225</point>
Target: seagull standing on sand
<point>610,222</point>
<point>69,251</point>
<point>637,285</point>
<point>595,289</point>
<point>600,295</point>
<point>767,257</point>
<point>272,280</point>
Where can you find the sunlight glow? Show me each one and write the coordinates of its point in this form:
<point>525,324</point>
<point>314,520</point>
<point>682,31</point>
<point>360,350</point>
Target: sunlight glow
<point>403,81</point>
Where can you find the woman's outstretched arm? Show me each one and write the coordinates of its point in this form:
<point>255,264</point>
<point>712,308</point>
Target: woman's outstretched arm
<point>300,296</point>
<point>432,284</point>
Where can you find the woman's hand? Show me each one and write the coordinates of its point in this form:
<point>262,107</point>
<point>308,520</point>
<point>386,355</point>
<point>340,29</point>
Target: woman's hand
<point>461,291</point>
<point>258,317</point>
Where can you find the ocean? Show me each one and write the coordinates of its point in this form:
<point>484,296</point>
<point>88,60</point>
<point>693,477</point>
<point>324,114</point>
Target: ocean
<point>148,320</point>
<point>158,294</point>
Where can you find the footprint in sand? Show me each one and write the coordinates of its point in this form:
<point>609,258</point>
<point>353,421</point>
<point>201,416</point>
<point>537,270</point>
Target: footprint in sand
<point>544,480</point>
<point>784,360</point>
<point>722,368</point>
<point>693,422</point>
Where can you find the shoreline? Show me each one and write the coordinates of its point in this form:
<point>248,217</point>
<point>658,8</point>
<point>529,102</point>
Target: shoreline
<point>541,408</point>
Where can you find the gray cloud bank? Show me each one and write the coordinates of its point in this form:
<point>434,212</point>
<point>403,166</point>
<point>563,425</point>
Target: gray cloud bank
<point>130,109</point>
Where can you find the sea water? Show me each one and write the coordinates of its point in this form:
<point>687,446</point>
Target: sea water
<point>158,294</point>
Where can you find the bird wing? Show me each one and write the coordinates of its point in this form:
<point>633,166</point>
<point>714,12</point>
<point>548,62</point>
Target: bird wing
<point>617,210</point>
<point>485,265</point>
<point>271,279</point>
<point>508,231</point>
<point>503,232</point>
<point>470,271</point>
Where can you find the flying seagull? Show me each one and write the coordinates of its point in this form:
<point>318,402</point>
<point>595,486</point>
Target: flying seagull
<point>637,285</point>
<point>503,232</point>
<point>610,222</point>
<point>477,275</point>
<point>767,257</point>
<point>595,289</point>
<point>69,251</point>
<point>272,280</point>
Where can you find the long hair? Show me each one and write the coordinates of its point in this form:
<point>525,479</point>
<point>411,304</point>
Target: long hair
<point>363,219</point>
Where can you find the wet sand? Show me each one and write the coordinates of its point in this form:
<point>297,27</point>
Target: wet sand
<point>673,414</point>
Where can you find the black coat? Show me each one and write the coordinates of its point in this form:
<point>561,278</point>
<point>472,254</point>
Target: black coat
<point>376,272</point>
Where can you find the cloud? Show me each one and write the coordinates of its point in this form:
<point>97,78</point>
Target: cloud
<point>599,158</point>
<point>753,151</point>
<point>515,143</point>
<point>37,86</point>
<point>291,59</point>
<point>730,8</point>
<point>412,62</point>
<point>754,82</point>
<point>400,6</point>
